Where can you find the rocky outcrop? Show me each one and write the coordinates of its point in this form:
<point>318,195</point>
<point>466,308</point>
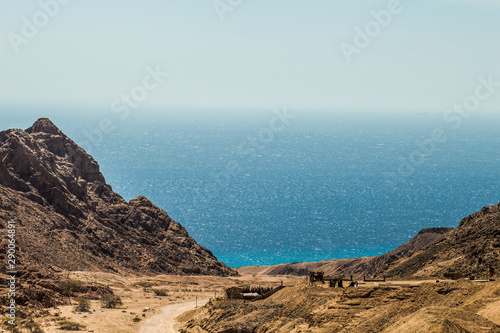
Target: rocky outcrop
<point>69,218</point>
<point>368,266</point>
<point>472,249</point>
<point>438,307</point>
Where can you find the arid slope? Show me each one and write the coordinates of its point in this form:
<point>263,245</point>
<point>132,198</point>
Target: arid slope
<point>472,249</point>
<point>69,218</point>
<point>443,307</point>
<point>367,266</point>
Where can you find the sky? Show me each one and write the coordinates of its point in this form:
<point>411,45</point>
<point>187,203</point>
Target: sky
<point>327,55</point>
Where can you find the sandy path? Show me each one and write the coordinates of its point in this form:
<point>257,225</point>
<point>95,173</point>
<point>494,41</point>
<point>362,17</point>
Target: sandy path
<point>164,322</point>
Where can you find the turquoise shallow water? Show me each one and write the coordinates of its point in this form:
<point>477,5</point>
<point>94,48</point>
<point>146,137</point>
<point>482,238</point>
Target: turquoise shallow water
<point>324,186</point>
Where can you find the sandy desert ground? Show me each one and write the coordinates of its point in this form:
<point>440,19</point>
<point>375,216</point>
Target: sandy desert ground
<point>435,306</point>
<point>151,313</point>
<point>393,306</point>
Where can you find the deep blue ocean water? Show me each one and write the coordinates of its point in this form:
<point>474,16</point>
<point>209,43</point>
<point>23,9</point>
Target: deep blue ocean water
<point>325,186</point>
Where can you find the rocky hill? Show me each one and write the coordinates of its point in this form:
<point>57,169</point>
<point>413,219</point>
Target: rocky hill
<point>69,218</point>
<point>367,266</point>
<point>432,307</point>
<point>472,249</point>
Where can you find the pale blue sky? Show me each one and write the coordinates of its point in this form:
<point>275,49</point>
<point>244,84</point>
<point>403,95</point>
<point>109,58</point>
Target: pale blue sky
<point>265,54</point>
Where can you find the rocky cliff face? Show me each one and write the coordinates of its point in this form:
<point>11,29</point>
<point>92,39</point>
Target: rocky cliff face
<point>68,217</point>
<point>367,266</point>
<point>470,249</point>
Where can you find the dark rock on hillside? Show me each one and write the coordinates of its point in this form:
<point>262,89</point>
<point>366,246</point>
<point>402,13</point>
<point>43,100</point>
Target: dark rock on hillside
<point>69,218</point>
<point>368,266</point>
<point>472,249</point>
<point>424,238</point>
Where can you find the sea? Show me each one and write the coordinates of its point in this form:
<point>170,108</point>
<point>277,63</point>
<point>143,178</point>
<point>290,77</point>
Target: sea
<point>281,185</point>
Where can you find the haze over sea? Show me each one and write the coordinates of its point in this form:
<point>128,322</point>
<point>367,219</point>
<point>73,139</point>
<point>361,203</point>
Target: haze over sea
<point>318,189</point>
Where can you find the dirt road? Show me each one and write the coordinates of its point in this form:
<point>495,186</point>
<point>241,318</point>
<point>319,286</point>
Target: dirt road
<point>164,322</point>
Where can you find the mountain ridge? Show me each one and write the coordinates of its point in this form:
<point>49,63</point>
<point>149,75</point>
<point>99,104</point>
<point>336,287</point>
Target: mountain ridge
<point>367,266</point>
<point>471,250</point>
<point>69,218</point>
